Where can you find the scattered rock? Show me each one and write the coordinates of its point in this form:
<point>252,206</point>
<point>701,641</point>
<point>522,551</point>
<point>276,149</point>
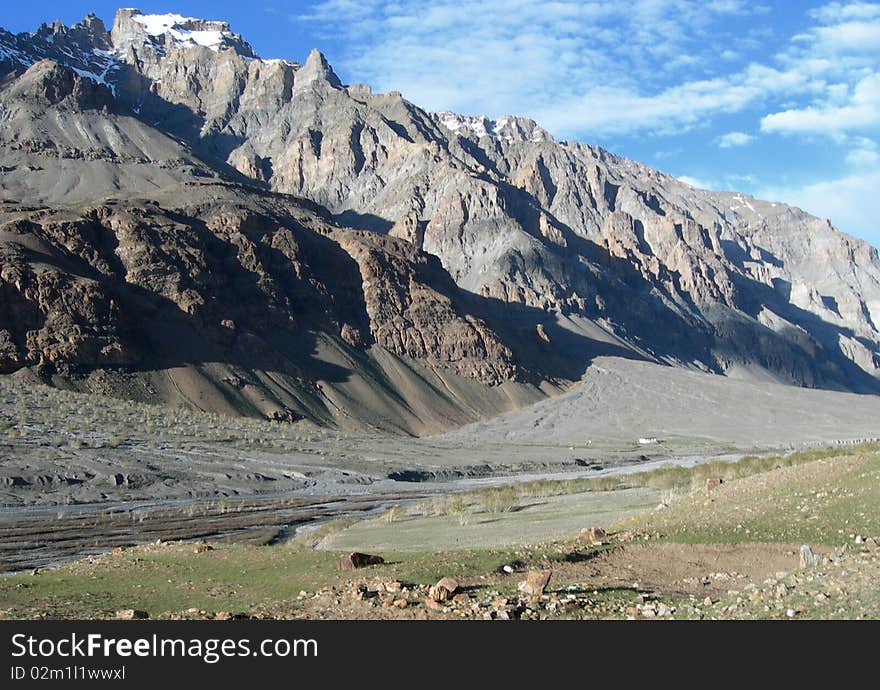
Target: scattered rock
<point>535,582</point>
<point>444,590</point>
<point>807,557</point>
<point>355,560</point>
<point>131,615</point>
<point>593,534</point>
<point>713,483</point>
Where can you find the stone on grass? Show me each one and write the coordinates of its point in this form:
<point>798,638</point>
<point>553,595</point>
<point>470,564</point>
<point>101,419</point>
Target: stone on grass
<point>131,615</point>
<point>807,557</point>
<point>593,534</point>
<point>535,582</point>
<point>444,590</point>
<point>355,560</point>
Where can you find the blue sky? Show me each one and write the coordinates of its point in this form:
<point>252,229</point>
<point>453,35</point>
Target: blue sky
<point>780,99</point>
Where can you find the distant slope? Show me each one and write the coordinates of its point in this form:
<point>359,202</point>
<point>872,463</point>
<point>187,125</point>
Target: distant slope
<point>184,221</point>
<point>129,266</point>
<point>623,400</point>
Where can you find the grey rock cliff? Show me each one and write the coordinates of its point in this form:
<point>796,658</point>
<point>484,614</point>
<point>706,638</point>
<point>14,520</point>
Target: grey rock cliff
<point>548,252</point>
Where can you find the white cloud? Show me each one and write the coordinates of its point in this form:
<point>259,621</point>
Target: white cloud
<point>695,182</point>
<point>843,11</point>
<point>590,68</point>
<point>609,110</point>
<point>860,113</point>
<point>856,37</point>
<point>593,68</point>
<point>863,154</point>
<point>734,139</point>
<point>849,202</point>
<point>579,66</point>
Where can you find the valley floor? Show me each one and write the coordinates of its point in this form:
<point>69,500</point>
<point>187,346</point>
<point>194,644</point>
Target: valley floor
<point>675,548</point>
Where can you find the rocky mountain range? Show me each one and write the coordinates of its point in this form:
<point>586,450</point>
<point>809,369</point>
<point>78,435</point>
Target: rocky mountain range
<point>183,221</point>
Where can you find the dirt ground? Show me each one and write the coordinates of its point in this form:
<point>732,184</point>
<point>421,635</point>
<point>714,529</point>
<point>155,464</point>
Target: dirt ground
<point>682,569</point>
<point>626,574</point>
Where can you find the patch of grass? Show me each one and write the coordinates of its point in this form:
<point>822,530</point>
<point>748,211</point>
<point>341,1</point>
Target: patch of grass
<point>232,577</point>
<point>312,538</point>
<point>667,477</point>
<point>172,578</point>
<point>501,499</point>
<point>460,510</point>
<point>818,498</point>
<point>825,500</point>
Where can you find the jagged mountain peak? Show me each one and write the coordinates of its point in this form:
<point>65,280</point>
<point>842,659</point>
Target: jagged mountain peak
<point>507,128</point>
<point>133,27</point>
<point>90,32</point>
<point>569,250</point>
<point>315,68</point>
<point>51,83</point>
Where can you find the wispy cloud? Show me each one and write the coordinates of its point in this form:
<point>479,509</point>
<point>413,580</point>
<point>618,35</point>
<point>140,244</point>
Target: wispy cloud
<point>596,67</point>
<point>577,66</point>
<point>835,12</point>
<point>696,182</point>
<point>863,154</point>
<point>848,201</point>
<point>860,112</point>
<point>734,139</point>
<point>599,71</point>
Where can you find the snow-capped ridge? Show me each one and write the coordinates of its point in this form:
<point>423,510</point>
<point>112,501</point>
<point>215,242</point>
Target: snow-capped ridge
<point>131,26</point>
<point>507,128</point>
<point>177,26</point>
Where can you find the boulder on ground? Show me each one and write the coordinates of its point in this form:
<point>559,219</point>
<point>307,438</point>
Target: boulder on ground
<point>444,590</point>
<point>808,558</point>
<point>131,615</point>
<point>593,534</point>
<point>535,582</point>
<point>355,560</point>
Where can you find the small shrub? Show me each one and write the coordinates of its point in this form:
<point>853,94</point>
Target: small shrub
<point>311,539</point>
<point>502,499</point>
<point>459,509</point>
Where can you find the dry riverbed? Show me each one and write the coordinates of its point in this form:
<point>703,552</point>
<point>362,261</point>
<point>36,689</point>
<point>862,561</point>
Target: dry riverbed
<point>734,550</point>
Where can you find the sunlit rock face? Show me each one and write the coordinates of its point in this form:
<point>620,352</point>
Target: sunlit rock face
<point>462,234</point>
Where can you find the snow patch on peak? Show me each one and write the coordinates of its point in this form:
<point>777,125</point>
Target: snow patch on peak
<point>462,124</point>
<point>157,24</point>
<point>507,128</point>
<point>185,30</point>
